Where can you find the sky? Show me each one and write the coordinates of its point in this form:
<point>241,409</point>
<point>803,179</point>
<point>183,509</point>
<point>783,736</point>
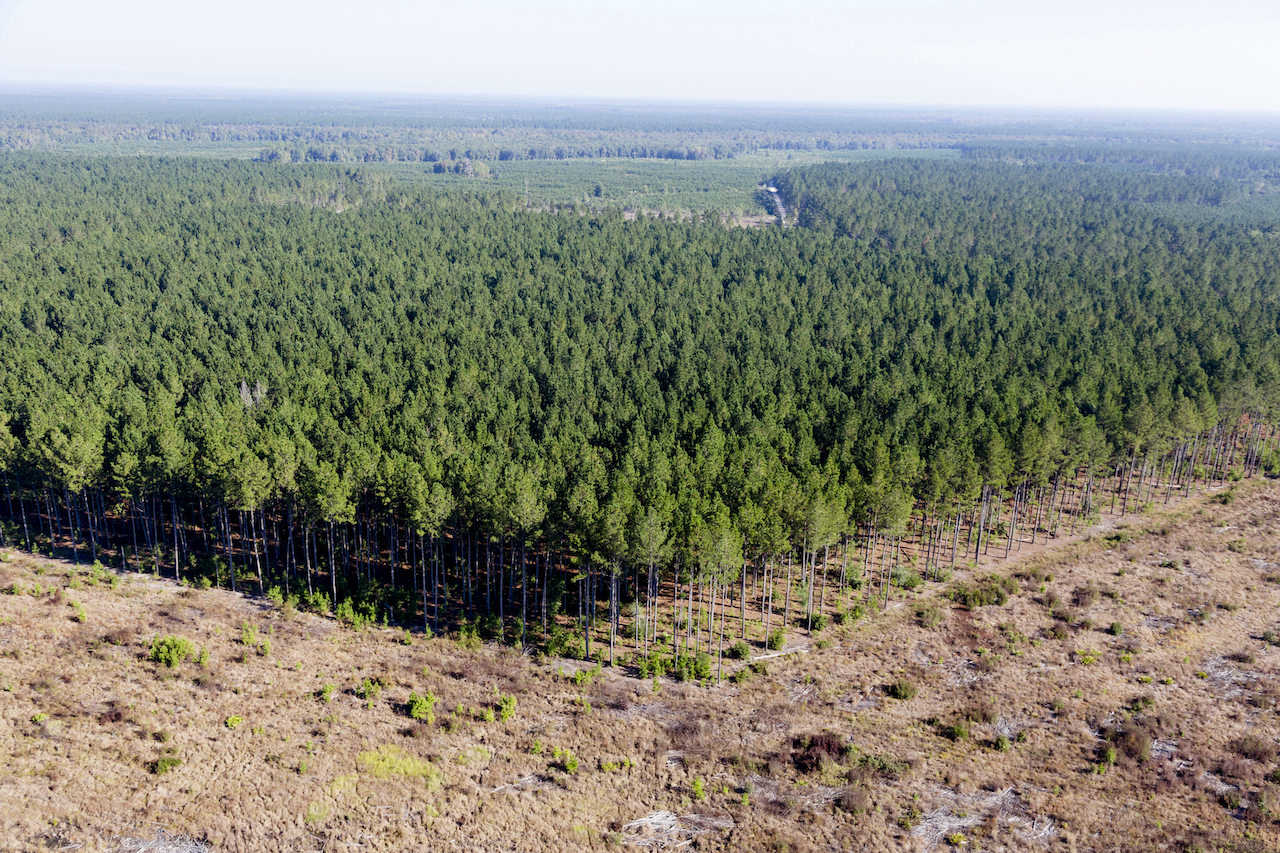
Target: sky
<point>1117,54</point>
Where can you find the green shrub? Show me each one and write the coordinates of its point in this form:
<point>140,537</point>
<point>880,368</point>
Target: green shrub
<point>929,615</point>
<point>558,640</point>
<point>903,690</point>
<point>356,614</point>
<point>906,578</point>
<point>469,635</point>
<point>248,634</point>
<point>878,766</point>
<point>326,693</point>
<point>695,668</point>
<point>506,707</point>
<point>699,790</point>
<point>957,731</point>
<point>315,601</point>
<point>421,707</point>
<point>1255,748</point>
<point>1116,629</point>
<point>585,676</point>
<point>369,690</point>
<point>819,621</point>
<point>993,589</point>
<point>171,651</point>
<point>739,651</point>
<point>777,639</point>
<point>653,665</point>
<point>233,721</point>
<point>163,765</point>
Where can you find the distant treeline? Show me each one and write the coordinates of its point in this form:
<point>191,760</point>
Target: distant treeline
<point>404,130</point>
<point>1234,162</point>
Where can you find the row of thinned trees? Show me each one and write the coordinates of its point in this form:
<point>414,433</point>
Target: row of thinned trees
<point>373,567</point>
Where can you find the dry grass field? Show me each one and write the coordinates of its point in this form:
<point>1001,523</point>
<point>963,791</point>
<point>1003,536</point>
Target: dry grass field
<point>1122,697</point>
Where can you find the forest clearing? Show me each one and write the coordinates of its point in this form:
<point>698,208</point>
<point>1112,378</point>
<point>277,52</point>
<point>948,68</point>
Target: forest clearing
<point>1122,695</point>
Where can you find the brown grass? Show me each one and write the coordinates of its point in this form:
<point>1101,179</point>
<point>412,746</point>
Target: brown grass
<point>811,754</point>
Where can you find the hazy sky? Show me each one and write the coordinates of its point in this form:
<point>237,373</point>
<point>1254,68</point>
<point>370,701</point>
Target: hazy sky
<point>1087,53</point>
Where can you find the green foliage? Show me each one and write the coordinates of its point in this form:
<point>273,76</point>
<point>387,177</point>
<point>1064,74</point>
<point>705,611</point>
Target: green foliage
<point>315,601</point>
<point>585,676</point>
<point>326,693</point>
<point>777,639</point>
<point>881,766</point>
<point>171,650</point>
<point>351,614</point>
<point>929,615</point>
<point>369,690</point>
<point>696,667</point>
<point>653,665</point>
<point>739,650</point>
<point>422,707</point>
<point>991,590</point>
<point>906,346</point>
<point>469,635</point>
<point>164,764</point>
<point>907,578</point>
<point>233,721</point>
<point>903,690</point>
<point>388,761</point>
<point>506,707</point>
<point>699,791</point>
<point>558,642</point>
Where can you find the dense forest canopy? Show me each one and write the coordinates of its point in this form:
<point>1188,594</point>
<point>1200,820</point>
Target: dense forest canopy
<point>327,342</point>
